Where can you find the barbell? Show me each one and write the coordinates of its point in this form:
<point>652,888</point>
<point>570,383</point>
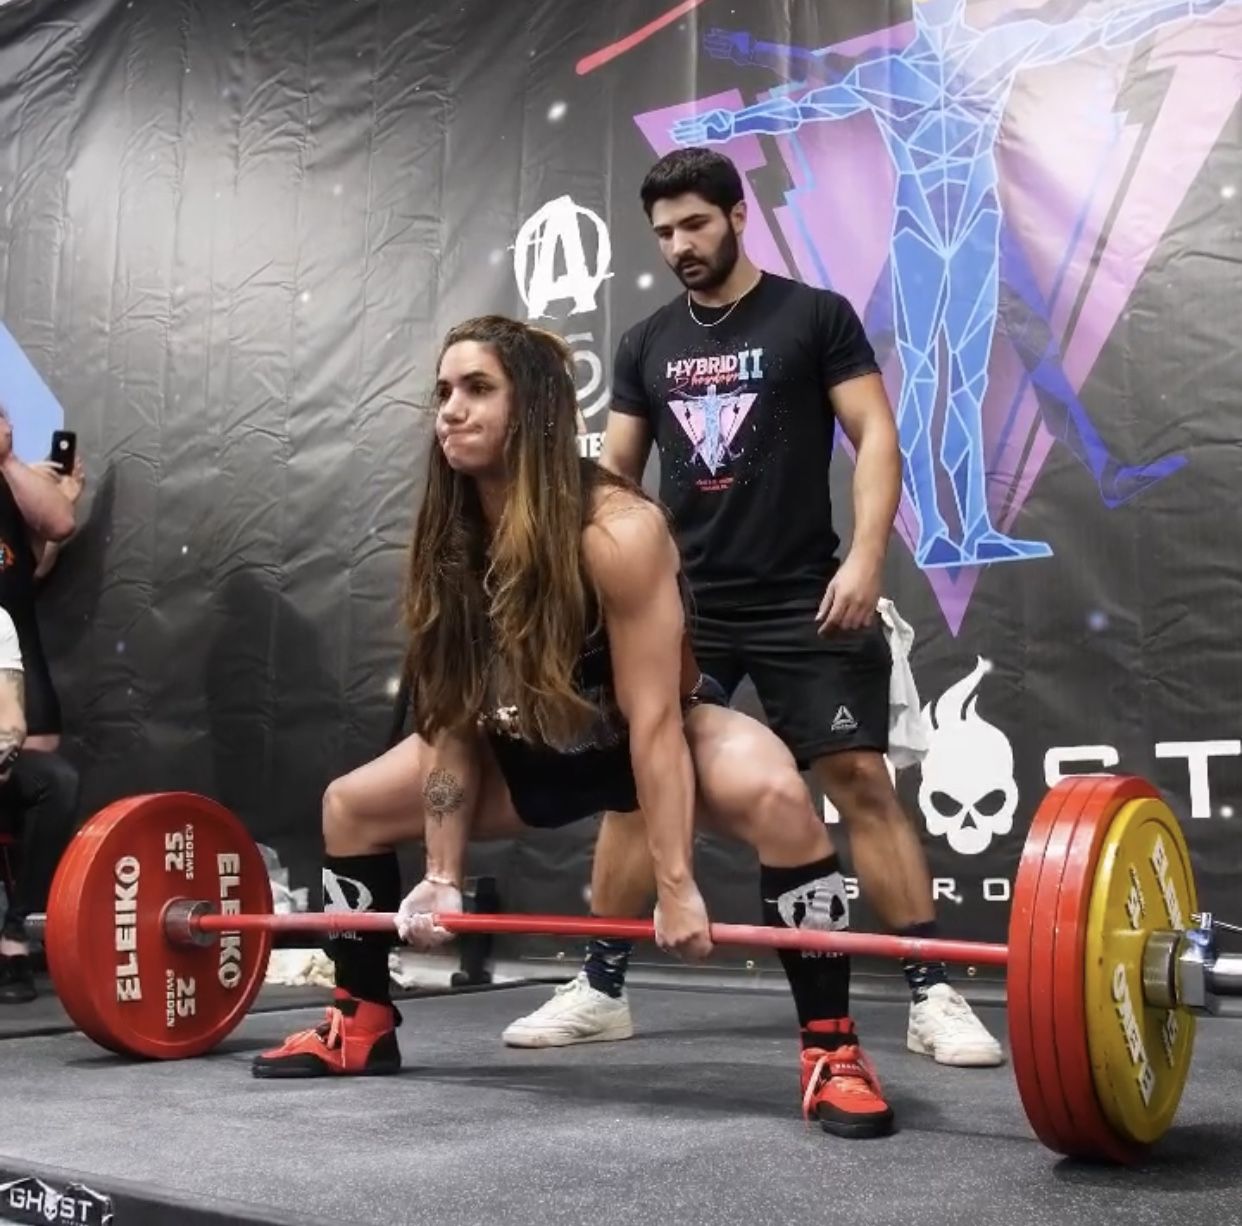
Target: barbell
<point>159,929</point>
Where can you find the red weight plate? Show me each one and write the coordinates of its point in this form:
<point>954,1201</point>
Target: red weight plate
<point>122,981</point>
<point>1095,793</point>
<point>1047,1119</point>
<point>1065,1012</point>
<point>62,952</point>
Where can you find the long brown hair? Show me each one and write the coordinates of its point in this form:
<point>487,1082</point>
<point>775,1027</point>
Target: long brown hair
<point>505,619</point>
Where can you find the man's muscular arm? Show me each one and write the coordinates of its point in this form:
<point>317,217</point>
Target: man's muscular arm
<point>863,409</point>
<point>627,444</point>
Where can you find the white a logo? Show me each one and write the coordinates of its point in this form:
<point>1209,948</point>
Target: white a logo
<point>552,240</point>
<point>344,893</point>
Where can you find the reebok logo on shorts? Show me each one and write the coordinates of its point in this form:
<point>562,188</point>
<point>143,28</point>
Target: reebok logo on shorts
<point>843,721</point>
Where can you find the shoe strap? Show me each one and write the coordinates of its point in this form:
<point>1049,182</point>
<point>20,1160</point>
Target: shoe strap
<point>849,1067</point>
<point>812,1086</point>
<point>328,1032</point>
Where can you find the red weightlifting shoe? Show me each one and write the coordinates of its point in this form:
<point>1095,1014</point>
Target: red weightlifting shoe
<point>840,1087</point>
<point>358,1039</point>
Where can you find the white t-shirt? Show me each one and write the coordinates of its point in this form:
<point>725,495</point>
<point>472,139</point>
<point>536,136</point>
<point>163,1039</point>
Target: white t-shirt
<point>10,649</point>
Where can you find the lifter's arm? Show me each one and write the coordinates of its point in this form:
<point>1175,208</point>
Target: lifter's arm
<point>450,793</point>
<point>633,560</point>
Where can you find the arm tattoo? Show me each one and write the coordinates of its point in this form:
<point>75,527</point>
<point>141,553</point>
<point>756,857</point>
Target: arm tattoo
<point>443,793</point>
<point>12,715</point>
<point>15,683</point>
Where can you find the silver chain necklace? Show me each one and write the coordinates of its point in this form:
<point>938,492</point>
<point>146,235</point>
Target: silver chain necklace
<point>733,306</point>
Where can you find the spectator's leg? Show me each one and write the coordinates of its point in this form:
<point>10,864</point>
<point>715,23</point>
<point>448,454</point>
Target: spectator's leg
<point>44,788</point>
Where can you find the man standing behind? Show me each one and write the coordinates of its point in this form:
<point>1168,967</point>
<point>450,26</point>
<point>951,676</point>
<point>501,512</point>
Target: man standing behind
<point>740,382</point>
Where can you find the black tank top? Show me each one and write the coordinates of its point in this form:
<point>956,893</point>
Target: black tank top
<point>593,681</point>
<point>17,597</point>
<point>551,786</point>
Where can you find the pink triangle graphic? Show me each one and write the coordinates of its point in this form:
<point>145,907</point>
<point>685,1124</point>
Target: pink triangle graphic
<point>711,423</point>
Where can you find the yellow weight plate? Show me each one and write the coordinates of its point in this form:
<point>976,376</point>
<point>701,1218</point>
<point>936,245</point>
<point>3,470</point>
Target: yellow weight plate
<point>1140,1055</point>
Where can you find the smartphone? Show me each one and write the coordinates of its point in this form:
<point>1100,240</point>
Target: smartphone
<point>64,452</point>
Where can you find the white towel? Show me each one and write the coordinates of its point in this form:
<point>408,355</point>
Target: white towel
<point>908,740</point>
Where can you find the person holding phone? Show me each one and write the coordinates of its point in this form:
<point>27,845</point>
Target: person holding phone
<point>64,466</point>
<point>38,787</point>
<point>34,511</point>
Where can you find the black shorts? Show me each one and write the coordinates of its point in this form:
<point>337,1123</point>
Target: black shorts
<point>551,789</point>
<point>820,694</point>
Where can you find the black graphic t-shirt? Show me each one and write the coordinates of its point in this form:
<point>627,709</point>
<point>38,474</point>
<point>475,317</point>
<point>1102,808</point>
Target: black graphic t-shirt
<point>17,596</point>
<point>741,417</point>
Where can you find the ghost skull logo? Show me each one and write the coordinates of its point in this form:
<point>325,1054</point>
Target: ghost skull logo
<point>820,905</point>
<point>968,794</point>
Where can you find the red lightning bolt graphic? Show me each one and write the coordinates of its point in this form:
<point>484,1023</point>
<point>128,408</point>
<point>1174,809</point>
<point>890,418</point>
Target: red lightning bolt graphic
<point>601,57</point>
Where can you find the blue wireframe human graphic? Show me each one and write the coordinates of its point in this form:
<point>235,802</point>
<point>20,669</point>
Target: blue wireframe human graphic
<point>711,421</point>
<point>939,103</point>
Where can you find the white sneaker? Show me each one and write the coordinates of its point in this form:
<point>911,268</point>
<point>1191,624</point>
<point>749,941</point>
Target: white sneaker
<point>945,1027</point>
<point>577,1013</point>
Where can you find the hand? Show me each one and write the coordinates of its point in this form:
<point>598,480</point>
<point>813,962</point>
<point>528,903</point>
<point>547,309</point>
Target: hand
<point>849,603</point>
<point>728,45</point>
<point>710,127</point>
<point>681,925</point>
<point>71,484</point>
<point>414,924</point>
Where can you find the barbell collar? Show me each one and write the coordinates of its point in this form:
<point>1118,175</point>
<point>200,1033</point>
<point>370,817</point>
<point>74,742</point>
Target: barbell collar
<point>1160,958</point>
<point>180,918</point>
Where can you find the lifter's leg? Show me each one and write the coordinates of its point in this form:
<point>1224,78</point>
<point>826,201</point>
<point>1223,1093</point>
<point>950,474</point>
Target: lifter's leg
<point>366,814</point>
<point>750,789</point>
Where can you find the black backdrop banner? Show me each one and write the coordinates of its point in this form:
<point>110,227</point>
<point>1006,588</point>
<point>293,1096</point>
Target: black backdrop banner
<point>233,233</point>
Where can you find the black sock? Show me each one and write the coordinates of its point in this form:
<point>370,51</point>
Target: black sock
<point>923,975</point>
<point>812,896</point>
<point>606,963</point>
<point>362,883</point>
